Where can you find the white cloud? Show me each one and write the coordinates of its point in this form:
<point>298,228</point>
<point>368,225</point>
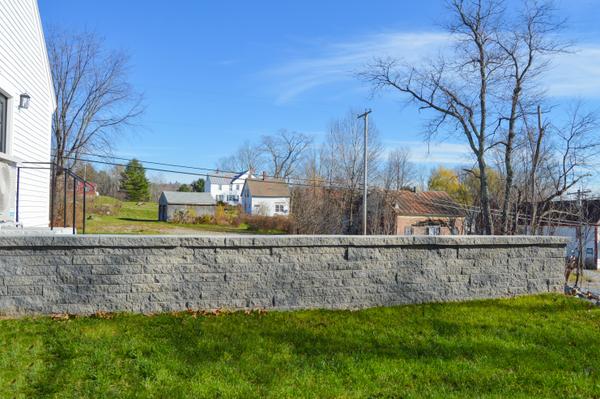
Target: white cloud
<point>340,61</point>
<point>576,74</point>
<point>434,153</point>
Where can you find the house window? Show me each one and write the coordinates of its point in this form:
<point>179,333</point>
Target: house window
<point>233,198</point>
<point>279,208</point>
<point>237,187</point>
<point>434,230</point>
<point>3,129</point>
<point>220,187</point>
<point>408,231</point>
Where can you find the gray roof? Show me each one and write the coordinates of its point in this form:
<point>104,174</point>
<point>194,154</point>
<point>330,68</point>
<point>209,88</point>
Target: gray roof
<point>224,177</point>
<point>179,198</point>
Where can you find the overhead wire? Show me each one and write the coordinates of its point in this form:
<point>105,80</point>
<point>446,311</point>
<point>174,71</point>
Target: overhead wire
<point>296,182</point>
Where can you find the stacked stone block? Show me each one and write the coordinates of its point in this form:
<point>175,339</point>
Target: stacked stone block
<point>87,274</point>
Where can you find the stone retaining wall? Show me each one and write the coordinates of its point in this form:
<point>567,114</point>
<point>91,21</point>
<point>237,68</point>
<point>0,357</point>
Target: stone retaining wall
<point>86,274</point>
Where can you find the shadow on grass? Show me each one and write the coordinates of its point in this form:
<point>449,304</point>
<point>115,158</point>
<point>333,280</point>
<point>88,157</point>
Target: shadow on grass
<point>138,220</point>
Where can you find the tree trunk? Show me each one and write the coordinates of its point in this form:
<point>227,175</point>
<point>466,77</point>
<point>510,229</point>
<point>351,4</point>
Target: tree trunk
<point>486,213</point>
<point>508,157</point>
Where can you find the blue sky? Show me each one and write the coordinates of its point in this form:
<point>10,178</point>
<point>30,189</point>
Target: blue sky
<point>215,74</point>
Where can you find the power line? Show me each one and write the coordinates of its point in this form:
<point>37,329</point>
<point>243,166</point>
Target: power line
<point>216,170</point>
<point>318,183</point>
<point>290,183</point>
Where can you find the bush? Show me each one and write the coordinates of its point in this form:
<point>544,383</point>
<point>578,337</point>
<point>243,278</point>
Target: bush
<point>204,219</point>
<point>220,215</point>
<point>224,216</point>
<point>185,215</point>
<point>269,223</point>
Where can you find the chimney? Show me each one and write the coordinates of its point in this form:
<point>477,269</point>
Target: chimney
<point>264,175</point>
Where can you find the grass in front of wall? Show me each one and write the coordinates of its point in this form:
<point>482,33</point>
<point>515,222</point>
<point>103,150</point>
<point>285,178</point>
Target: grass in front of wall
<point>539,346</point>
<point>111,216</point>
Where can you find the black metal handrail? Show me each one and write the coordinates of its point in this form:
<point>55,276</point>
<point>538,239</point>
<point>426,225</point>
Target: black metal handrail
<point>67,173</point>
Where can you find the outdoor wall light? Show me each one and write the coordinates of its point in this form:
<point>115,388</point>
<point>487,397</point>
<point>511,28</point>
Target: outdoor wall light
<point>24,101</point>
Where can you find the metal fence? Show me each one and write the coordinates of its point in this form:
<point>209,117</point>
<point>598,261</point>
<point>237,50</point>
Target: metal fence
<point>66,174</point>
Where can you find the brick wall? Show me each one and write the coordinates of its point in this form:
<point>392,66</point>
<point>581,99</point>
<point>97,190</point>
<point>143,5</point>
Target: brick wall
<point>416,222</point>
<point>86,274</point>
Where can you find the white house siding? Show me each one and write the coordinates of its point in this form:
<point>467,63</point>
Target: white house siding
<point>24,69</point>
<point>590,242</point>
<point>221,192</point>
<point>266,206</point>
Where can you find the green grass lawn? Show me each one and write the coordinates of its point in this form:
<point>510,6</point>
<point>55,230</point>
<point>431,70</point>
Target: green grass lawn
<point>541,346</point>
<point>142,218</point>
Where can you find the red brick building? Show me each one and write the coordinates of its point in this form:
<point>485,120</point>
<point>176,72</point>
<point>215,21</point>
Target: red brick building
<point>426,213</point>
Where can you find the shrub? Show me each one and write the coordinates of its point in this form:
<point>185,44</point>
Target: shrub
<point>184,215</point>
<point>269,223</point>
<point>220,215</point>
<point>204,219</point>
<point>236,220</point>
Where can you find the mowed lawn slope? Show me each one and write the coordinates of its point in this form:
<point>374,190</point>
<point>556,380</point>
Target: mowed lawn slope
<point>142,218</point>
<point>541,346</point>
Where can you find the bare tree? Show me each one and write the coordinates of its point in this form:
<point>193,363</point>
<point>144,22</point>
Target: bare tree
<point>93,95</point>
<point>456,88</point>
<point>246,157</point>
<point>525,46</point>
<point>284,152</point>
<point>342,162</point>
<point>398,172</point>
<point>478,89</point>
<point>561,157</point>
<point>315,204</point>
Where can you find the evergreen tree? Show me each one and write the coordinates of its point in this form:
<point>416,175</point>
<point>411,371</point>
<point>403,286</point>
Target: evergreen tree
<point>184,188</point>
<point>134,182</point>
<point>198,185</point>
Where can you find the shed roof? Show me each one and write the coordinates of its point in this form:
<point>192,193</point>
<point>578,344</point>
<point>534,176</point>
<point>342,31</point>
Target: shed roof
<point>426,203</point>
<point>268,188</point>
<point>179,198</point>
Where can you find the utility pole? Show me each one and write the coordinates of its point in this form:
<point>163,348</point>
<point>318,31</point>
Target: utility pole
<point>365,168</point>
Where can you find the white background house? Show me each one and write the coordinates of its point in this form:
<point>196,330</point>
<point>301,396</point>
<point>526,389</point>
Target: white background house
<point>266,197</point>
<point>569,217</point>
<point>25,133</point>
<point>226,186</point>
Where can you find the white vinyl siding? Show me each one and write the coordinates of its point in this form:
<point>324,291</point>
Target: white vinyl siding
<point>24,69</point>
<point>3,128</point>
<point>267,206</point>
